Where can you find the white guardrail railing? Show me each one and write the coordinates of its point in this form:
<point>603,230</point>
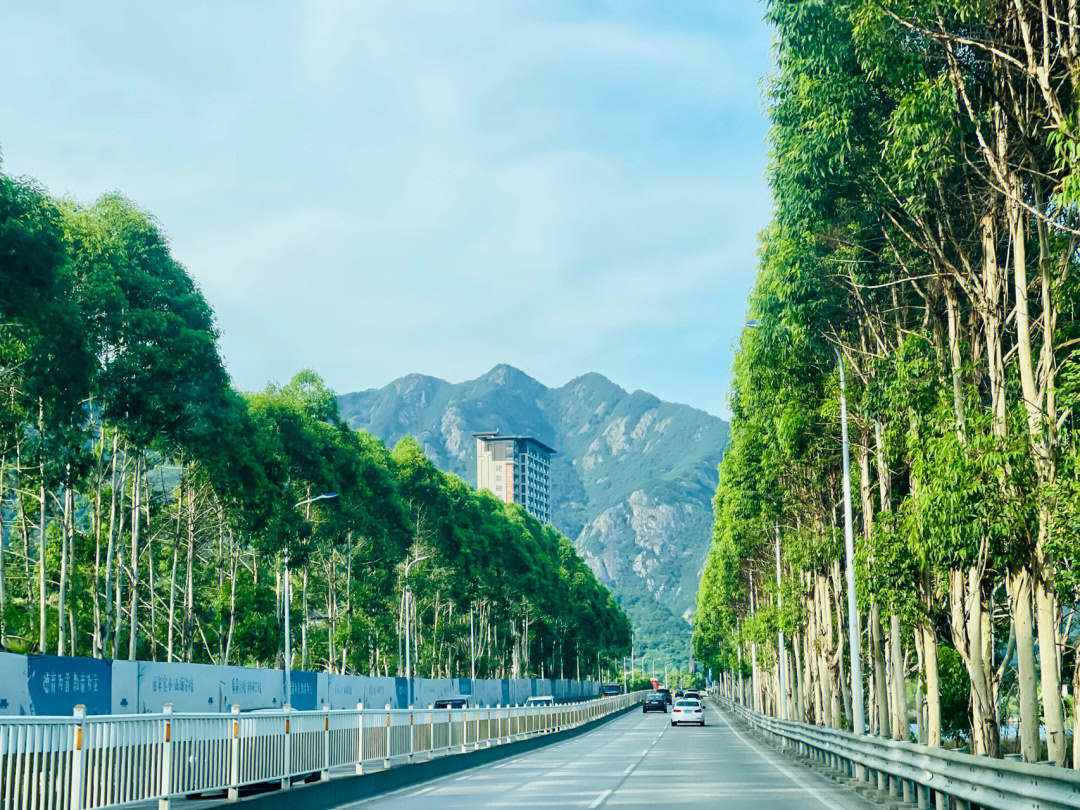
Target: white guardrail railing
<point>923,775</point>
<point>101,761</point>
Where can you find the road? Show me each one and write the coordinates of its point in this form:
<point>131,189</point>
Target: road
<point>637,760</point>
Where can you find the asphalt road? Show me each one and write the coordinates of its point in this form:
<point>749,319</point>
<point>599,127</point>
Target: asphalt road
<point>637,760</point>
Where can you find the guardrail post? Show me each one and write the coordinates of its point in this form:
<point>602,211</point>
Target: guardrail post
<point>75,794</point>
<point>234,754</point>
<point>166,758</point>
<point>464,730</point>
<point>286,779</point>
<point>894,785</point>
<point>906,786</point>
<point>922,794</point>
<point>360,739</point>
<point>325,774</point>
<point>386,762</point>
<point>941,801</point>
<point>431,731</point>
<point>412,735</point>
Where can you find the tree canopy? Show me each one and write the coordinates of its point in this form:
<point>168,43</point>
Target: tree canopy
<point>150,510</point>
<point>925,236</point>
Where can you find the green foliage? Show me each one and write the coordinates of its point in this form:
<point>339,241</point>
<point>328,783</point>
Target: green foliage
<point>114,392</point>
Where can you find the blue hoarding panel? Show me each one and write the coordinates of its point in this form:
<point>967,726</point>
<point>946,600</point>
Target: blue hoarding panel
<point>57,685</point>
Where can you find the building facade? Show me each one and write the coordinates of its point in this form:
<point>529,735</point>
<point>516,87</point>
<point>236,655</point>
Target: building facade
<point>517,470</point>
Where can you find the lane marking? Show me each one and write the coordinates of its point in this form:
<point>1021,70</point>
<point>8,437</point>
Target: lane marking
<point>630,767</point>
<point>421,792</point>
<point>599,800</point>
<point>793,777</point>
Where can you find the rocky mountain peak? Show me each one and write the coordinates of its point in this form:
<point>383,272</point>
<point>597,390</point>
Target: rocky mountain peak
<point>631,485</point>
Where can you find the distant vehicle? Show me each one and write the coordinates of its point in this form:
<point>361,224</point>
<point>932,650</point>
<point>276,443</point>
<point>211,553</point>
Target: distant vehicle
<point>687,710</point>
<point>654,701</point>
<point>451,703</point>
<point>609,689</point>
<point>678,693</point>
<point>666,693</point>
<point>540,700</point>
<point>693,694</point>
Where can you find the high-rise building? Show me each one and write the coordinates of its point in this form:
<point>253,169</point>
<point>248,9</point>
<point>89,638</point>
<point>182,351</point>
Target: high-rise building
<point>517,470</point>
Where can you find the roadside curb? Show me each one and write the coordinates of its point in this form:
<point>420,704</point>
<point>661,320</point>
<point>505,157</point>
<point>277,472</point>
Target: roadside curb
<point>347,789</point>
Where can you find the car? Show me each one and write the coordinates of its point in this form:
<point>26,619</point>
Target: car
<point>663,690</point>
<point>687,710</point>
<point>540,700</point>
<point>451,703</point>
<point>678,693</point>
<point>654,701</point>
<point>609,689</point>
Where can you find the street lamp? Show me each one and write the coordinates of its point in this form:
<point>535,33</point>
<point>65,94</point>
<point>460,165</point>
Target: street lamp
<point>858,722</point>
<point>288,594</point>
<point>408,624</point>
<point>666,665</point>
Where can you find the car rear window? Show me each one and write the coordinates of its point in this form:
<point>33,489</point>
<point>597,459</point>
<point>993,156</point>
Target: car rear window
<point>687,704</point>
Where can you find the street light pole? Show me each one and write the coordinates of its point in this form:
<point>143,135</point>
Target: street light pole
<point>287,588</point>
<point>408,623</point>
<point>858,722</point>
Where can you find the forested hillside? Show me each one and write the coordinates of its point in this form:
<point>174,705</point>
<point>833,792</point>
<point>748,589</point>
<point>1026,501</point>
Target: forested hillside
<point>148,510</point>
<point>632,478</point>
<point>925,231</point>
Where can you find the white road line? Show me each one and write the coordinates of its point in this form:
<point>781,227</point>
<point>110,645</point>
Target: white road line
<point>629,768</point>
<point>421,792</point>
<point>599,800</point>
<point>793,777</point>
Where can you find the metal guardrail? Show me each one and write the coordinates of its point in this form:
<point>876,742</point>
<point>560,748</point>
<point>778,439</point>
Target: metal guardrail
<point>919,774</point>
<point>105,761</point>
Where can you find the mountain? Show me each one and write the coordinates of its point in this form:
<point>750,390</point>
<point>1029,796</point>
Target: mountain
<point>631,483</point>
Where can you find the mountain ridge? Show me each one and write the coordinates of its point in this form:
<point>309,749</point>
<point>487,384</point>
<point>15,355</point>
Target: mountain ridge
<point>632,479</point>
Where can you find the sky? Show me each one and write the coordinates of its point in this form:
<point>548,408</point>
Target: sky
<point>377,188</point>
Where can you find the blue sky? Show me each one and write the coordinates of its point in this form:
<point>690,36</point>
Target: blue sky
<point>377,188</point>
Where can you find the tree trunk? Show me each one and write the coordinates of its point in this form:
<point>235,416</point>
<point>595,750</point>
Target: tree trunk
<point>1049,670</point>
<point>881,698</point>
<point>109,553</point>
<point>933,686</point>
<point>3,582</point>
<point>899,687</point>
<point>65,550</point>
<point>42,616</point>
<point>1020,608</point>
<point>136,515</point>
<point>304,624</point>
<point>189,580</point>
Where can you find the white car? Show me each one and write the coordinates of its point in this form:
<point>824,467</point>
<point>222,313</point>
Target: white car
<point>542,700</point>
<point>687,710</point>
